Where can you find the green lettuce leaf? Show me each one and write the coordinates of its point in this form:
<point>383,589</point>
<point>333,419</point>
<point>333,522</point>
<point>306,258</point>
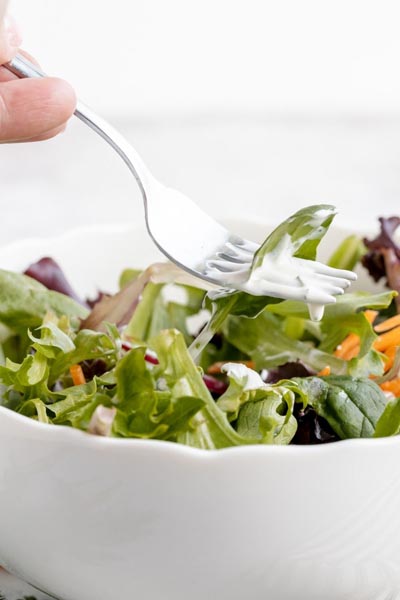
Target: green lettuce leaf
<point>352,406</point>
<point>165,306</point>
<point>264,340</point>
<point>88,345</point>
<point>77,404</point>
<point>53,339</point>
<point>127,276</point>
<point>261,412</point>
<point>33,370</point>
<point>306,228</point>
<point>24,302</point>
<point>269,418</point>
<point>30,372</point>
<point>389,421</point>
<point>339,320</point>
<point>145,407</point>
<point>209,427</point>
<point>345,305</point>
<point>348,253</point>
<point>35,409</point>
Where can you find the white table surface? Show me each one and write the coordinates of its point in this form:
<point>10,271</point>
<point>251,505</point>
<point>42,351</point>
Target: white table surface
<point>260,167</point>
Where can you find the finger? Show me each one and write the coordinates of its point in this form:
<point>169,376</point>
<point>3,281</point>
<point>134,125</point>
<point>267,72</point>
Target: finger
<point>47,135</point>
<point>31,107</point>
<point>42,138</point>
<point>10,38</point>
<point>6,75</point>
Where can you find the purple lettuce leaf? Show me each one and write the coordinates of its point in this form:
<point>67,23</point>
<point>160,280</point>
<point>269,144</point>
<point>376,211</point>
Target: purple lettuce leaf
<point>49,273</point>
<point>382,260</point>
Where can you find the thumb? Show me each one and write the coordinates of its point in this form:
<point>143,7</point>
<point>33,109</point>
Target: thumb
<point>31,107</point>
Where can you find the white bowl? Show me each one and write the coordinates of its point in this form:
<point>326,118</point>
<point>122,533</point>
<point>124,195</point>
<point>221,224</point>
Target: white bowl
<point>84,517</point>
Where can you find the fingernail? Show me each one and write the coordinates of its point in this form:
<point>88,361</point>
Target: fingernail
<point>12,37</point>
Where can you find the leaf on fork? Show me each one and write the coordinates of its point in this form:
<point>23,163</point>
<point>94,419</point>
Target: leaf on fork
<point>305,228</point>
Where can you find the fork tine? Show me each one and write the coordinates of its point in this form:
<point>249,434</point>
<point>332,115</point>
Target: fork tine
<point>242,251</point>
<point>336,281</point>
<point>331,271</point>
<point>313,284</point>
<point>237,242</point>
<point>323,281</point>
<point>317,296</point>
<point>226,266</point>
<point>229,258</point>
<point>337,291</point>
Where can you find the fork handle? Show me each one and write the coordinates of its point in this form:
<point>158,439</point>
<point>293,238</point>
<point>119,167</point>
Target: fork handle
<point>23,68</point>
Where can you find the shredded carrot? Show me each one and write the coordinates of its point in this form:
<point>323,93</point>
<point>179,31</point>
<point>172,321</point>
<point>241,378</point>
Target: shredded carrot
<point>391,338</point>
<point>392,386</point>
<point>216,367</point>
<point>388,324</point>
<point>347,346</point>
<point>77,375</point>
<point>352,353</point>
<point>325,371</point>
<point>387,343</point>
<point>390,354</point>
<point>370,315</point>
<point>350,347</point>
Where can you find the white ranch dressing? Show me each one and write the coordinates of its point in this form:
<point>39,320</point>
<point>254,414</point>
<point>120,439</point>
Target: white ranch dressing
<point>316,311</point>
<point>283,276</point>
<point>244,375</point>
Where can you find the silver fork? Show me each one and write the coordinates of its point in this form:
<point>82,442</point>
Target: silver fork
<point>192,239</point>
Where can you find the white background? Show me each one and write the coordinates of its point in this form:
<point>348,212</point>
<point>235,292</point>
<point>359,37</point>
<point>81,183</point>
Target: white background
<point>140,56</point>
<point>253,108</point>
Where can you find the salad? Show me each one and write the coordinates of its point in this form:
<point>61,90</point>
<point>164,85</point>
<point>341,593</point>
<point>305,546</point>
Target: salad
<point>210,368</point>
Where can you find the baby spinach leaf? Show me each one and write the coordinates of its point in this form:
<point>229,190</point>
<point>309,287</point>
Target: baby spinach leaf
<point>352,406</point>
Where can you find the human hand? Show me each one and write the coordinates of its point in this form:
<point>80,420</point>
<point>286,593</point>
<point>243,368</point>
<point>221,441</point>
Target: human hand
<point>30,109</point>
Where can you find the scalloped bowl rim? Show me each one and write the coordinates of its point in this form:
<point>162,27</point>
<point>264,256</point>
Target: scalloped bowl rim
<point>89,440</point>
